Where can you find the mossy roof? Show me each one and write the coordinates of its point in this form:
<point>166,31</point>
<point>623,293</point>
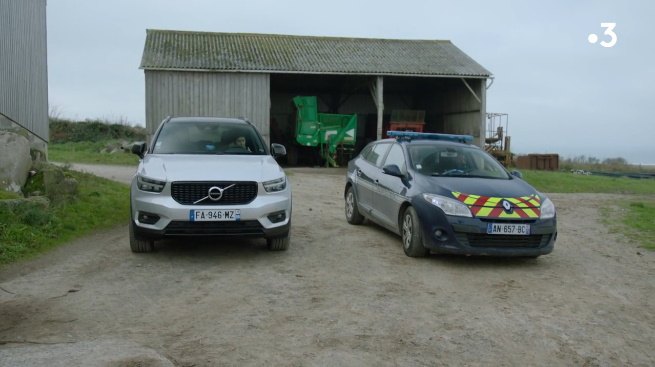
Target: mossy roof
<point>274,53</point>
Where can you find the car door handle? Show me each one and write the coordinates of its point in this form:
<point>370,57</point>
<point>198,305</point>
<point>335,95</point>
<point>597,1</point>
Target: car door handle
<point>359,172</point>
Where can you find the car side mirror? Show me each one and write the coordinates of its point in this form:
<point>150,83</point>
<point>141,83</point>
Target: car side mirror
<point>517,174</point>
<point>392,170</point>
<point>139,149</point>
<point>278,150</point>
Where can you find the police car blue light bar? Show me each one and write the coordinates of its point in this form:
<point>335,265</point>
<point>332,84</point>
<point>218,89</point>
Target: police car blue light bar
<point>411,135</point>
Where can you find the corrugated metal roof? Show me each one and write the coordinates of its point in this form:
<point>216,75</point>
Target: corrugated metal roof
<point>273,53</point>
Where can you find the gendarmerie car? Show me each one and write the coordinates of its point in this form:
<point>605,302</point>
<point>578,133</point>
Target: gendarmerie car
<point>442,195</point>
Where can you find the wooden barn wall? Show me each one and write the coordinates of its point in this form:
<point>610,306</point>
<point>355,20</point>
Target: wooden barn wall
<point>183,93</point>
<point>461,112</point>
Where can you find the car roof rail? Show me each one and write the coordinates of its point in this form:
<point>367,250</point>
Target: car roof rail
<point>412,135</point>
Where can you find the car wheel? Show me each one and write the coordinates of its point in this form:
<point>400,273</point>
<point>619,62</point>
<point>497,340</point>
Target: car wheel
<point>353,216</point>
<point>278,243</point>
<point>138,244</point>
<point>411,234</point>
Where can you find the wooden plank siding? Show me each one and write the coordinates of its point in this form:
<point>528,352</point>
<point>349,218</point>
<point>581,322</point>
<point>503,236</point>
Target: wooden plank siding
<point>171,93</point>
<point>463,113</point>
<point>23,65</point>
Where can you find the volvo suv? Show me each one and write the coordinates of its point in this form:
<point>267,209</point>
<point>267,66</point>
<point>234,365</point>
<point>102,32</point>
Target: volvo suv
<point>205,176</point>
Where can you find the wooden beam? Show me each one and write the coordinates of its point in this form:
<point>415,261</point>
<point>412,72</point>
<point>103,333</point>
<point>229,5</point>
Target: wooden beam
<point>471,90</point>
<point>377,91</point>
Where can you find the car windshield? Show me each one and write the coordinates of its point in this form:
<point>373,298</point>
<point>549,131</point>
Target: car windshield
<point>207,137</point>
<point>454,160</point>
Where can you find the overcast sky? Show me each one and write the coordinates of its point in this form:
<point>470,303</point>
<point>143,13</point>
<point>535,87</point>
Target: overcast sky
<point>562,93</point>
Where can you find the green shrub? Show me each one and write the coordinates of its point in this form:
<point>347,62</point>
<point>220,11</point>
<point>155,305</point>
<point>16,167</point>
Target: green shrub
<point>35,217</point>
<point>62,131</point>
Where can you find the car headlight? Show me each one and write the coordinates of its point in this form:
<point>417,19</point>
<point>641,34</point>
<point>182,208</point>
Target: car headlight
<point>547,209</point>
<point>278,184</point>
<point>449,206</point>
<point>148,184</point>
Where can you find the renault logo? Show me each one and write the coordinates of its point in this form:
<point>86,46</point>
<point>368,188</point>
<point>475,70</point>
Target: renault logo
<point>214,193</point>
<point>507,206</point>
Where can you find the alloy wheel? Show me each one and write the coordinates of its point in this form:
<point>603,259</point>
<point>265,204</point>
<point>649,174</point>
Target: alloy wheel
<point>407,231</point>
<point>349,204</point>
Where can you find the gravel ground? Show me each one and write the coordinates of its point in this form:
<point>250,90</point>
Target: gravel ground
<point>341,296</point>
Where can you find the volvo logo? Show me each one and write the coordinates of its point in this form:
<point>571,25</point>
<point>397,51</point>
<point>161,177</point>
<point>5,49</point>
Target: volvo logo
<point>507,206</point>
<point>214,193</point>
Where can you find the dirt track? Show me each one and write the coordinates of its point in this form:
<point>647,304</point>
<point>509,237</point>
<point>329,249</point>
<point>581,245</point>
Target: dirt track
<point>341,296</point>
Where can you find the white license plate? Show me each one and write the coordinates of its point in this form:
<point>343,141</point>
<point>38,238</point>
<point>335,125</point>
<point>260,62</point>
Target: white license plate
<point>214,215</point>
<point>508,228</point>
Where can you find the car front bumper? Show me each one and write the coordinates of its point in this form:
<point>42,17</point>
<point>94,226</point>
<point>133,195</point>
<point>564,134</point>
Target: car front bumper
<point>468,236</point>
<point>259,218</point>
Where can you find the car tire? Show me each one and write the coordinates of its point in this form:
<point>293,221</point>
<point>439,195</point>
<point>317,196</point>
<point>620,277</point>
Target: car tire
<point>139,244</point>
<point>353,216</point>
<point>278,243</point>
<point>412,237</point>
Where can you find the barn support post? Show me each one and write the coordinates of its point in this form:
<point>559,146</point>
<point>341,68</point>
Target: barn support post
<point>483,112</point>
<point>377,90</point>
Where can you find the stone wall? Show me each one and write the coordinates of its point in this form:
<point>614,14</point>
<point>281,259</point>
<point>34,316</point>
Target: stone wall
<point>19,149</point>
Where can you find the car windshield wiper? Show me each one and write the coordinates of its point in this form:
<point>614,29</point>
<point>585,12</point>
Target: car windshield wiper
<point>454,172</point>
<point>480,176</point>
<point>467,174</point>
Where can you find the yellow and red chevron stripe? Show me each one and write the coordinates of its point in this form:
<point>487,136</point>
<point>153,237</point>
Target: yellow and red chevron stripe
<point>524,207</point>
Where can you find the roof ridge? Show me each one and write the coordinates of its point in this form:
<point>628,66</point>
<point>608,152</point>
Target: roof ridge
<point>152,30</point>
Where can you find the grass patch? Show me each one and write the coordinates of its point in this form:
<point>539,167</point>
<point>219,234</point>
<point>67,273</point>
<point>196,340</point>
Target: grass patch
<point>564,182</point>
<point>636,220</point>
<point>9,195</point>
<point>633,219</point>
<point>90,152</point>
<point>28,230</point>
<point>640,223</point>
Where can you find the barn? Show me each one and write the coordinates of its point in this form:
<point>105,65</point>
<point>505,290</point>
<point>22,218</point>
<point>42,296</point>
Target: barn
<point>257,75</point>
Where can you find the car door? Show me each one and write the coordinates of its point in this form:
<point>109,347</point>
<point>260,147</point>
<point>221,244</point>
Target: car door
<point>367,171</point>
<point>390,193</point>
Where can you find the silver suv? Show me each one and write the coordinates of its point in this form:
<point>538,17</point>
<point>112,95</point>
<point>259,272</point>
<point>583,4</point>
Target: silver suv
<point>209,177</point>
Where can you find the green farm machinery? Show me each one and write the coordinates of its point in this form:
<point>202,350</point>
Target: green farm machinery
<point>331,133</point>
